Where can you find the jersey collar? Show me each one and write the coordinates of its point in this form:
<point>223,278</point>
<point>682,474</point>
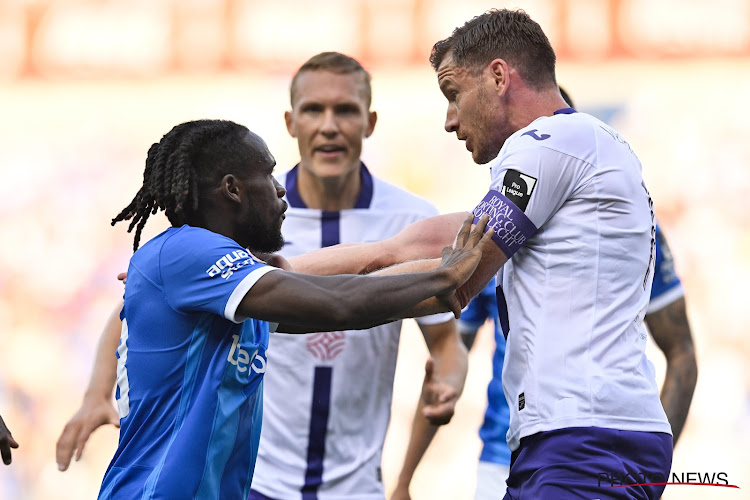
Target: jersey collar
<point>295,200</point>
<point>565,111</point>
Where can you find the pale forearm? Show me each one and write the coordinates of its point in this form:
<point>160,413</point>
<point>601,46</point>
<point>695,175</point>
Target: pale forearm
<point>451,363</point>
<point>104,372</point>
<point>422,433</point>
<point>424,239</point>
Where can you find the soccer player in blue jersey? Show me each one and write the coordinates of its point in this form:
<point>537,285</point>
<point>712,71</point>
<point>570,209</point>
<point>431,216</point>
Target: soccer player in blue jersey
<point>197,308</point>
<point>6,442</point>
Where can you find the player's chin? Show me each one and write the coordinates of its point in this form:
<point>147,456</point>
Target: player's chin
<point>480,157</point>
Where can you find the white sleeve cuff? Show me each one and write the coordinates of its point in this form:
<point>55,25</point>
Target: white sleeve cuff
<point>665,299</point>
<point>244,286</point>
<point>435,319</point>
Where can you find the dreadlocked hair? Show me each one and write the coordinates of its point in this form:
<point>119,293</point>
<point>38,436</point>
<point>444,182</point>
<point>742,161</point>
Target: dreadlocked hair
<point>185,159</point>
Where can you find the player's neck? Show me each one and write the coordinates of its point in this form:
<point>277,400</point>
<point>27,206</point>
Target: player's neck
<point>534,105</point>
<point>329,193</point>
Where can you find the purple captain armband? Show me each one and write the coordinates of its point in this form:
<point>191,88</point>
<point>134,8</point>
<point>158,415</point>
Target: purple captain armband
<point>512,227</point>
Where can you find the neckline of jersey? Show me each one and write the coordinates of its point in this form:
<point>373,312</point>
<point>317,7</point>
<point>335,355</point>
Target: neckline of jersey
<point>295,200</point>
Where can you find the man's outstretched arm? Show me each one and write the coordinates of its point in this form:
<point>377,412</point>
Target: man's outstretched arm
<point>425,239</point>
<point>304,303</point>
<point>671,331</point>
<point>97,408</point>
<point>417,248</point>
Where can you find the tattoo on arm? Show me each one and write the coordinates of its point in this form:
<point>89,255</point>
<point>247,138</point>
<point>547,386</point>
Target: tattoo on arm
<point>671,331</point>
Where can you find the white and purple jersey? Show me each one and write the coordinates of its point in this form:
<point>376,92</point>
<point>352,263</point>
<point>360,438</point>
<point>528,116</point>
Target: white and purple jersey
<point>572,213</point>
<point>328,396</point>
<point>493,432</point>
<point>189,371</point>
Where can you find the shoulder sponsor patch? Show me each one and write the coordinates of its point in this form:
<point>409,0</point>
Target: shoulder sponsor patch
<point>229,263</point>
<point>517,187</point>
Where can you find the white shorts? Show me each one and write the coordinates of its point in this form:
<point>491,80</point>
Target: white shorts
<point>491,481</point>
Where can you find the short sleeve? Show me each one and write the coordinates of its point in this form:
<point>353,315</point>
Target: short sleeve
<point>435,319</point>
<point>666,287</point>
<point>204,271</point>
<point>529,184</point>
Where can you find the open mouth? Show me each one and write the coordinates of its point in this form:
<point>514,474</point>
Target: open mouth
<point>330,149</point>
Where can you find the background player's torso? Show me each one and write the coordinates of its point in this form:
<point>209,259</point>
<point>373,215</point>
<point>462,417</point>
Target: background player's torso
<point>328,395</point>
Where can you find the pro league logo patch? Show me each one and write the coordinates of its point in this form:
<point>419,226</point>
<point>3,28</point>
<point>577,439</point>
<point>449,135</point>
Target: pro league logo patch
<point>517,187</point>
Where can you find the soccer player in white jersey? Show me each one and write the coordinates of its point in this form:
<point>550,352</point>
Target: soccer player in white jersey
<point>667,323</point>
<point>327,400</point>
<point>198,308</point>
<point>574,261</point>
<point>328,406</point>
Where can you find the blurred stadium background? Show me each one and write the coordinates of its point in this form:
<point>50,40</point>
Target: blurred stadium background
<point>87,85</point>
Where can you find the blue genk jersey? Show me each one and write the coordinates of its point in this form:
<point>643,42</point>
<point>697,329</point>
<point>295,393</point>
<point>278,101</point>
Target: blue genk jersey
<point>666,289</point>
<point>189,371</point>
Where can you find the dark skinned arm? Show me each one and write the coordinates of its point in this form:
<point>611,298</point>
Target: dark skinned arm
<point>303,303</point>
<point>671,331</point>
<point>6,443</point>
<point>492,260</point>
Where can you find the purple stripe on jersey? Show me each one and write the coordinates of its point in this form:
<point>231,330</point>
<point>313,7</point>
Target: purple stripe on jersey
<point>502,311</point>
<point>292,191</point>
<point>565,111</point>
<point>316,447</point>
<point>330,230</point>
<point>365,194</point>
<point>295,200</point>
<point>512,227</point>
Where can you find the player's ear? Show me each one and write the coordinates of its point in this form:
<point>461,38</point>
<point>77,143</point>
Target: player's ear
<point>372,119</point>
<point>499,72</point>
<point>289,119</point>
<point>230,188</point>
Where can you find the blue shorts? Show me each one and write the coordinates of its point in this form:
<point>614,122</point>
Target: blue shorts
<point>590,463</point>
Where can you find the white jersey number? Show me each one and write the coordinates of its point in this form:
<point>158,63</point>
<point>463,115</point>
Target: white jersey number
<point>123,402</point>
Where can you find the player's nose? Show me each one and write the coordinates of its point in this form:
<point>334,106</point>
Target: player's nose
<point>329,127</point>
<point>280,190</point>
<point>451,120</point>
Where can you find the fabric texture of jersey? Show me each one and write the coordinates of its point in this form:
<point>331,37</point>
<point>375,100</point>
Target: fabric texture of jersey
<point>573,297</point>
<point>189,371</point>
<point>496,417</point>
<point>328,398</point>
<point>665,290</point>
